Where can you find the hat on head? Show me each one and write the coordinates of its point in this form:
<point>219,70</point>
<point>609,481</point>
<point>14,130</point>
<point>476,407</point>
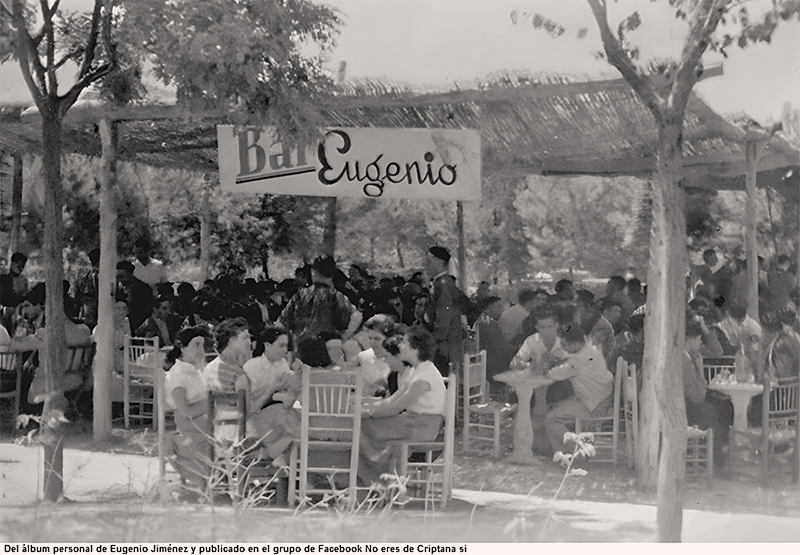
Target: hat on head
<point>441,253</point>
<point>325,266</point>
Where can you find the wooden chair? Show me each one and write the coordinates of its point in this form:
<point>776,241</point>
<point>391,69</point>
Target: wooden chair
<point>140,366</point>
<point>780,425</point>
<point>699,452</point>
<point>431,480</point>
<point>630,409</point>
<point>605,428</point>
<point>11,364</point>
<point>330,432</point>
<point>79,361</point>
<point>699,444</point>
<point>717,365</point>
<point>478,408</point>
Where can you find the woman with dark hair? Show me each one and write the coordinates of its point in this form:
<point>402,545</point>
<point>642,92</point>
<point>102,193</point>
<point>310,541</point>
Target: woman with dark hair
<point>415,411</point>
<point>274,388</point>
<point>187,394</point>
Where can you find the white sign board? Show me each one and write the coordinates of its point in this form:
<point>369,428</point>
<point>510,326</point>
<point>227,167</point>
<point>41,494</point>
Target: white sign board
<point>367,163</point>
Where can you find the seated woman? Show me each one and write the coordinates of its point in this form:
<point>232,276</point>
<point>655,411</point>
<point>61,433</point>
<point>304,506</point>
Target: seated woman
<point>365,351</point>
<point>274,388</point>
<point>76,335</point>
<point>415,411</point>
<point>187,394</point>
<point>592,386</point>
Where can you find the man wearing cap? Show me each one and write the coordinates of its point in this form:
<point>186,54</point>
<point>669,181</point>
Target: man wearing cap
<point>444,311</point>
<point>320,307</point>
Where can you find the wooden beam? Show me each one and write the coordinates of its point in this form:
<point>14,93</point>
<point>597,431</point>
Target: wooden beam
<point>16,203</point>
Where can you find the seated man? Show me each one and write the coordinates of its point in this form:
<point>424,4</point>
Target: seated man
<point>700,412</point>
<point>592,386</point>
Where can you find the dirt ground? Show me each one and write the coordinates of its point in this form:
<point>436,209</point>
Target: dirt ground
<point>737,488</point>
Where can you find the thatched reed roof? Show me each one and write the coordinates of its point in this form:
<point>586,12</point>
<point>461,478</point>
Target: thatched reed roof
<point>594,127</point>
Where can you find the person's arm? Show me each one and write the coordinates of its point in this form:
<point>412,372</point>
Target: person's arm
<point>563,372</point>
<point>397,403</point>
<point>355,321</point>
<point>525,353</point>
<point>187,409</point>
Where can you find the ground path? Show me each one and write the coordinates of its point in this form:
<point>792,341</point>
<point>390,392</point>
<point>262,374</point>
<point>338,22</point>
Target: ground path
<point>109,488</point>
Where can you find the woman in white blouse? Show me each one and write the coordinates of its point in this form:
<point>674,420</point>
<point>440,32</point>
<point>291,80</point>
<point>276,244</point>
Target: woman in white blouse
<point>274,387</point>
<point>187,394</point>
<point>415,411</point>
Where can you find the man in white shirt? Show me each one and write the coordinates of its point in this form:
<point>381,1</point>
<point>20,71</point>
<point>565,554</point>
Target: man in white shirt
<point>149,270</point>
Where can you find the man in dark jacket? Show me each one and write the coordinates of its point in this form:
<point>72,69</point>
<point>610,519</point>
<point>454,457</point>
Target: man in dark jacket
<point>445,311</point>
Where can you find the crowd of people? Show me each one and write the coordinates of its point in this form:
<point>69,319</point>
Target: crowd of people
<point>403,335</point>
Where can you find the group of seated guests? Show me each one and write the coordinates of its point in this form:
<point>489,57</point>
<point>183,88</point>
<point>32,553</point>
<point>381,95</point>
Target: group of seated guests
<point>404,392</point>
<point>576,341</point>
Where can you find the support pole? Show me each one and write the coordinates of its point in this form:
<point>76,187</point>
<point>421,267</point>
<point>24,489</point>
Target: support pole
<point>329,234</point>
<point>205,228</point>
<point>753,150</point>
<point>104,356</point>
<point>16,204</point>
<point>462,250</point>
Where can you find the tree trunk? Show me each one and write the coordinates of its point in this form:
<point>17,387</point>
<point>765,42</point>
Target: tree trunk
<point>104,356</point>
<point>664,329</point>
<point>329,234</point>
<point>265,261</point>
<point>16,204</point>
<point>55,342</point>
<point>398,247</point>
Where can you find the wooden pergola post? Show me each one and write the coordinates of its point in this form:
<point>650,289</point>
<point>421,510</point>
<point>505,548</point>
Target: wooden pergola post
<point>104,356</point>
<point>461,252</point>
<point>753,149</point>
<point>16,204</point>
<point>205,228</point>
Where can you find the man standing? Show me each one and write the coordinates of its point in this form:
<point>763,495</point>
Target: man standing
<point>88,291</point>
<point>445,311</point>
<point>320,307</point>
<point>147,269</point>
<point>136,293</point>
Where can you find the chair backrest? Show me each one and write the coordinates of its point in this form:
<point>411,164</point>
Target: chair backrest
<point>330,406</point>
<point>717,365</point>
<point>474,386</point>
<point>783,399</point>
<point>142,356</point>
<point>9,360</point>
<point>80,358</point>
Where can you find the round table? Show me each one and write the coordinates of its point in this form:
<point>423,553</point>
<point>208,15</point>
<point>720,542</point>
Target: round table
<point>740,394</point>
<point>524,382</point>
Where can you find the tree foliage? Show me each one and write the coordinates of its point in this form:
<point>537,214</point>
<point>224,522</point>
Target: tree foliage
<point>241,52</point>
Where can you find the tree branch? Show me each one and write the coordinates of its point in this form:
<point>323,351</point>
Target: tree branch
<point>28,55</point>
<point>71,96</point>
<point>54,9</point>
<point>91,43</point>
<point>703,23</point>
<point>620,60</point>
<point>50,52</point>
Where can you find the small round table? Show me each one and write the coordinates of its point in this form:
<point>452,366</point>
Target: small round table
<point>740,394</point>
<point>524,383</point>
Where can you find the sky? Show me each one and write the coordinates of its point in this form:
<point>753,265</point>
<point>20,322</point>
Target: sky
<point>439,43</point>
